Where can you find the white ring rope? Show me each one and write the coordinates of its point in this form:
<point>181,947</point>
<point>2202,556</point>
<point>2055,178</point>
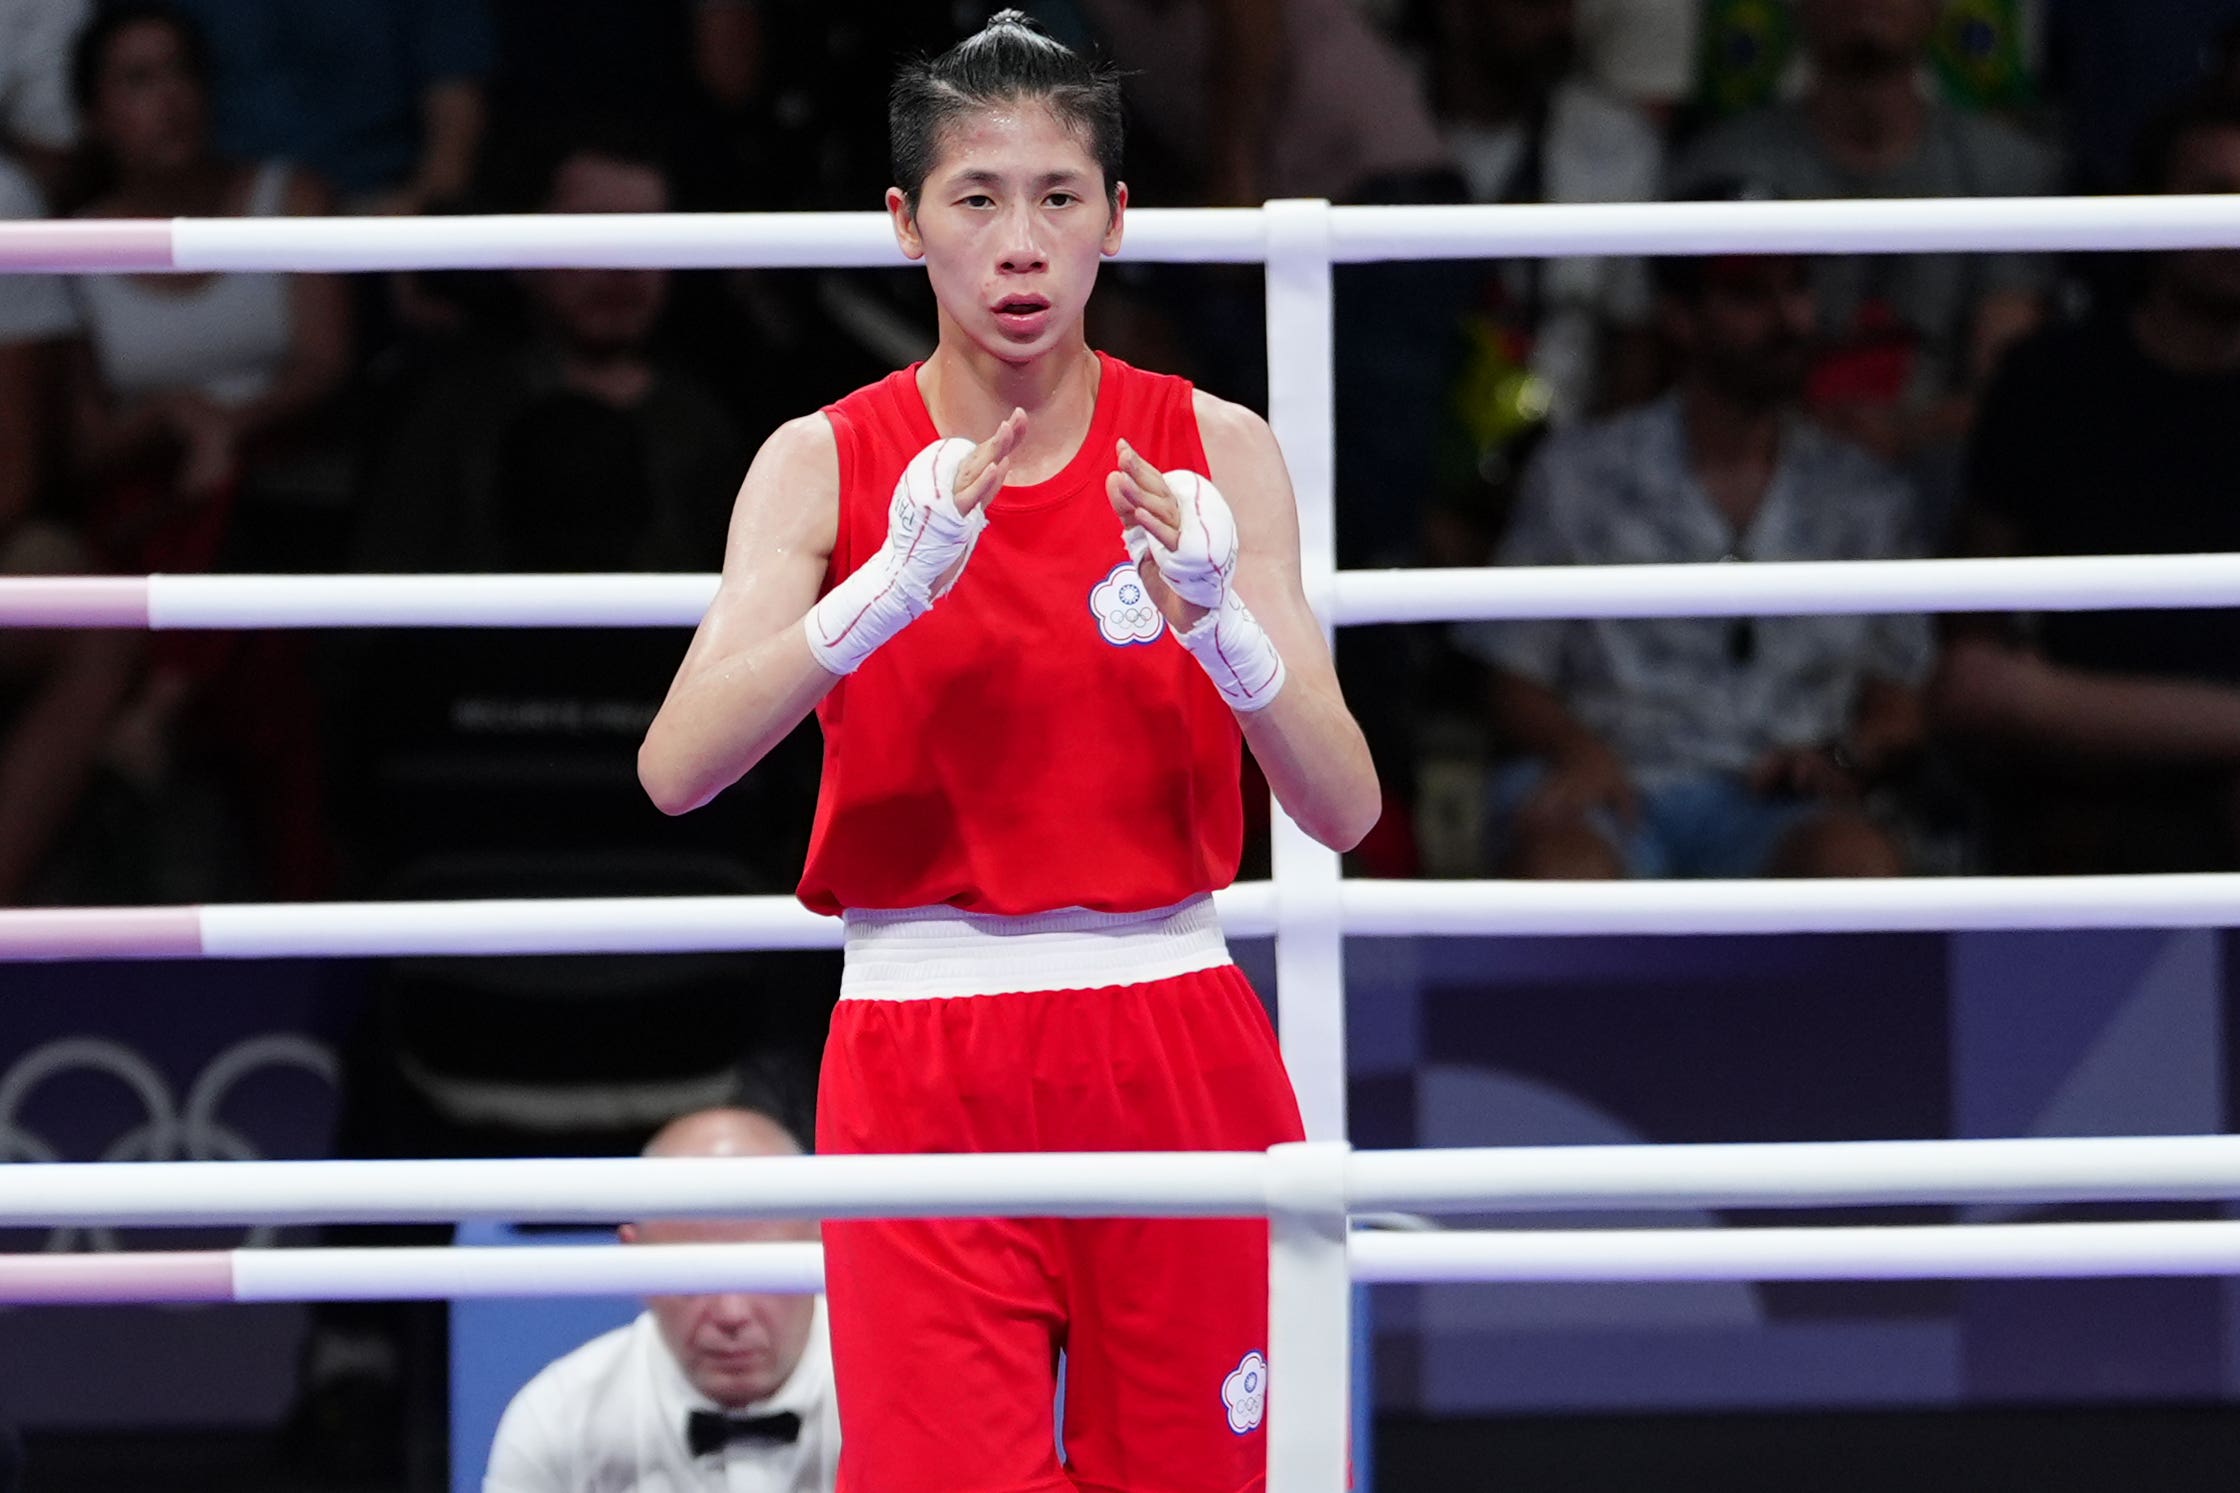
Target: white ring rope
<point>1964,1252</point>
<point>1359,597</point>
<point>1169,235</point>
<point>1224,1184</point>
<point>1362,908</point>
<point>1301,1187</point>
<point>1545,1257</point>
<point>1202,1184</point>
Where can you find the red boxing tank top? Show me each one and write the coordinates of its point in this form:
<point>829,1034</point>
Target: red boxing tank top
<point>1036,741</point>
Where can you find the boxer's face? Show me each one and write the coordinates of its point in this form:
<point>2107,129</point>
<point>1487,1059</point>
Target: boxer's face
<point>735,1347</point>
<point>1011,223</point>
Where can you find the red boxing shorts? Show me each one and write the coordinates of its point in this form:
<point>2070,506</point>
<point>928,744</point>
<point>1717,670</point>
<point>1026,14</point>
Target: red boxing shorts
<point>946,1333</point>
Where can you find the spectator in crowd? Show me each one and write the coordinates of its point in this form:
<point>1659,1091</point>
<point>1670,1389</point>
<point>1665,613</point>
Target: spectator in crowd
<point>1272,98</point>
<point>382,98</point>
<point>437,501</point>
<point>38,126</point>
<point>1705,747</point>
<point>731,1390</point>
<point>1523,126</point>
<point>58,690</point>
<point>2118,66</point>
<point>188,393</point>
<point>189,375</point>
<point>1908,339</point>
<point>1643,51</point>
<point>658,62</point>
<point>2117,733</point>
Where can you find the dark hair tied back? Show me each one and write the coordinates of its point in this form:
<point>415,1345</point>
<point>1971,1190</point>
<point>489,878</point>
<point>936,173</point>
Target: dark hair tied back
<point>1010,60</point>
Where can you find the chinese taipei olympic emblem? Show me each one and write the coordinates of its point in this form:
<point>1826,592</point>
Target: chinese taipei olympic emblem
<point>1244,1394</point>
<point>1125,613</point>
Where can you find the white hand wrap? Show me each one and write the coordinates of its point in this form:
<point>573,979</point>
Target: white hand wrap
<point>1228,641</point>
<point>927,544</point>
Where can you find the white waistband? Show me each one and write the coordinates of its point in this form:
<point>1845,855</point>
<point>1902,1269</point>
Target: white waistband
<point>928,953</point>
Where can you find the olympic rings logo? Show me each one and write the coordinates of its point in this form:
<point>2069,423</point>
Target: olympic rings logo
<point>1124,610</point>
<point>192,1129</point>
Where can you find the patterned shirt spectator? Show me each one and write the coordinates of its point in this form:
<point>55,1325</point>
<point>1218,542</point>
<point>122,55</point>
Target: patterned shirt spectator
<point>1686,697</point>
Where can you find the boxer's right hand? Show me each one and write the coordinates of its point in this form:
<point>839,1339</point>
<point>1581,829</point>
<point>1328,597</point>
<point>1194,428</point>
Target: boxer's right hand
<point>938,510</point>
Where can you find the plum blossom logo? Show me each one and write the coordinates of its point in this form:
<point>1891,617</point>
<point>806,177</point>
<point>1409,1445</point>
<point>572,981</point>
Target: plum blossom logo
<point>1125,612</point>
<point>1245,1392</point>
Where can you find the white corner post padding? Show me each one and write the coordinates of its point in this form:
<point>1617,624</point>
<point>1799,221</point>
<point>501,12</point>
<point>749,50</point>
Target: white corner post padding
<point>1310,1318</point>
<point>1310,1297</point>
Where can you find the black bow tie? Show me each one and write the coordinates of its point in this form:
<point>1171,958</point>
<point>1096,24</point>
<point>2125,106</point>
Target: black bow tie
<point>712,1430</point>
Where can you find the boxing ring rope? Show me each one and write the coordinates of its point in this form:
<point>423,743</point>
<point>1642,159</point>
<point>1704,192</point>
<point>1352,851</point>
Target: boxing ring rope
<point>1361,908</point>
<point>1357,598</point>
<point>1541,1257</point>
<point>1355,235</point>
<point>1305,1190</point>
<point>1199,1184</point>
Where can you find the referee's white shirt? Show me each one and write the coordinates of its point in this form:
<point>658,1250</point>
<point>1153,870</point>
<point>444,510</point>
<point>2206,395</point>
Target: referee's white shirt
<point>610,1418</point>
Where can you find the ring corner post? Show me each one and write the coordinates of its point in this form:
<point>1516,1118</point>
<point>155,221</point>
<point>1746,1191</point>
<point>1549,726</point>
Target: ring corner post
<point>1310,1329</point>
<point>1310,1285</point>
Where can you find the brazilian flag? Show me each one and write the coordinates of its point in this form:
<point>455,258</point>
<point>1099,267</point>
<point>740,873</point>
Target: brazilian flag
<point>1746,47</point>
<point>1981,56</point>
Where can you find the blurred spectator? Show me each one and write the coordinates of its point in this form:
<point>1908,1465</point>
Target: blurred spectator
<point>1908,338</point>
<point>733,1389</point>
<point>441,497</point>
<point>382,98</point>
<point>1982,54</point>
<point>58,690</point>
<point>2117,733</point>
<point>2118,65</point>
<point>188,377</point>
<point>682,69</point>
<point>187,393</point>
<point>504,764</point>
<point>1705,747</point>
<point>1643,51</point>
<point>37,123</point>
<point>1553,339</point>
<point>1272,98</point>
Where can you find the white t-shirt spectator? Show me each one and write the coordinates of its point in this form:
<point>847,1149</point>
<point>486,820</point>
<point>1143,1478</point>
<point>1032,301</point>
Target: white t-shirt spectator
<point>32,307</point>
<point>1595,149</point>
<point>612,1417</point>
<point>1643,50</point>
<point>36,38</point>
<point>1349,111</point>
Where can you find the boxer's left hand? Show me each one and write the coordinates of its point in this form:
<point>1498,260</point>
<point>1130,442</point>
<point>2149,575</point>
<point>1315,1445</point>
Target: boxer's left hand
<point>1183,538</point>
<point>1176,559</point>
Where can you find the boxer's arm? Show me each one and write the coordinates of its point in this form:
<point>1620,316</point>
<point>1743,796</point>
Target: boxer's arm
<point>753,670</point>
<point>749,677</point>
<point>1306,740</point>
